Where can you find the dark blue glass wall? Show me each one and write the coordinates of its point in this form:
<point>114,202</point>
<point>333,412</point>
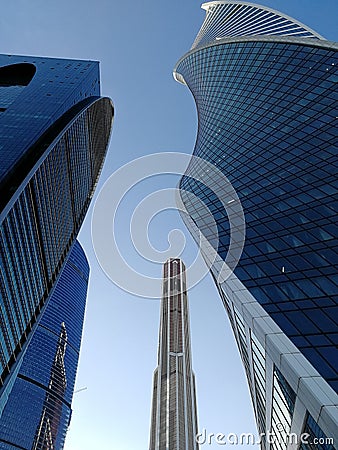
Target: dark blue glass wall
<point>31,102</point>
<point>267,116</point>
<point>38,410</point>
<point>54,132</point>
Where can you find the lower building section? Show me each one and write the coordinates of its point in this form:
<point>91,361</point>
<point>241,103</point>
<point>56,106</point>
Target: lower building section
<point>38,409</point>
<point>294,406</point>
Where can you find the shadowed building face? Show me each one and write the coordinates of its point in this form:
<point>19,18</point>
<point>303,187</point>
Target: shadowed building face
<point>54,132</point>
<point>38,410</point>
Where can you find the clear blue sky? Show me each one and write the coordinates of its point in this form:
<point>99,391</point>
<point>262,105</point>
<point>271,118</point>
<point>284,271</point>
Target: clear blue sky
<point>138,44</point>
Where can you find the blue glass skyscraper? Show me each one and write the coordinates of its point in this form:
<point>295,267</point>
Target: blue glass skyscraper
<point>38,410</point>
<point>54,131</point>
<point>265,87</point>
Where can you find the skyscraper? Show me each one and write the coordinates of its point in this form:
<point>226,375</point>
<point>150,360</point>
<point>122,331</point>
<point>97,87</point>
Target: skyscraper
<point>265,87</point>
<point>38,410</point>
<point>174,414</point>
<point>54,132</point>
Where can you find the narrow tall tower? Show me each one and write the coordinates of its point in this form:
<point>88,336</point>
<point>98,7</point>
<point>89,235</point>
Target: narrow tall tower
<point>174,415</point>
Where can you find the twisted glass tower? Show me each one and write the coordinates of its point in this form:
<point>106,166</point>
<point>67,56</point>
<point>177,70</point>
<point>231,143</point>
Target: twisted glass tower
<point>38,410</point>
<point>265,87</point>
<point>174,414</point>
<point>54,132</point>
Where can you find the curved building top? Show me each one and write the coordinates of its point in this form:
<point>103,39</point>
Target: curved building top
<point>236,18</point>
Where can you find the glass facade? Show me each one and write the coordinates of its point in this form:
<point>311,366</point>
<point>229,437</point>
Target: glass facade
<point>282,409</point>
<point>50,89</point>
<point>174,412</point>
<point>37,413</point>
<point>258,360</point>
<point>269,125</point>
<point>267,119</point>
<point>54,129</point>
<point>316,439</point>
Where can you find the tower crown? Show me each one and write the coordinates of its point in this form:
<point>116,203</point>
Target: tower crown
<point>236,18</point>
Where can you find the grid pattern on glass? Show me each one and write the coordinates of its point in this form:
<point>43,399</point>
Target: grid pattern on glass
<point>227,19</point>
<point>38,231</point>
<point>55,87</point>
<point>267,115</point>
<point>38,410</point>
<point>242,343</point>
<point>283,403</point>
<point>8,94</point>
<point>258,359</point>
<point>317,440</point>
